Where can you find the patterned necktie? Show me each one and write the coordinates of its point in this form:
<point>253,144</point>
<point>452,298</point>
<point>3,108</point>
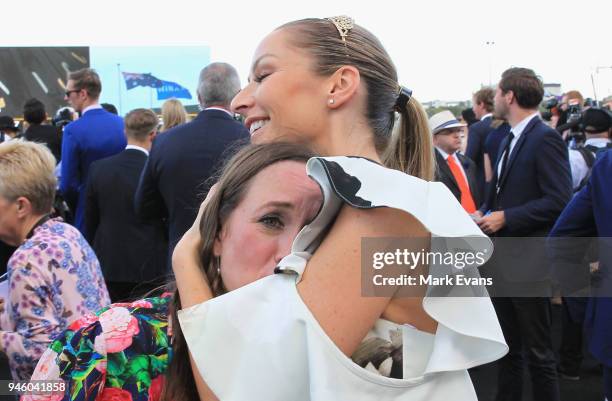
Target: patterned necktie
<point>466,196</point>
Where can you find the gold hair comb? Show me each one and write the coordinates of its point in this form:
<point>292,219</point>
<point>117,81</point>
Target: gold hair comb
<point>344,24</point>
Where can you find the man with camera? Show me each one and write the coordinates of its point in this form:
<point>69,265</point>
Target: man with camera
<point>596,124</point>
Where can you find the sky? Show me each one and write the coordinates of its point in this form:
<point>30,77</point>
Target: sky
<point>439,47</point>
<point>110,61</point>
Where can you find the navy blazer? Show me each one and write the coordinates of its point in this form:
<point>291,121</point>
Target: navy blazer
<point>475,150</point>
<point>129,250</point>
<point>589,214</point>
<point>537,184</point>
<point>96,135</point>
<point>445,176</point>
<point>181,160</point>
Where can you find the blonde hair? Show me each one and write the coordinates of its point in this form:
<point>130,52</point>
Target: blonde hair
<point>173,114</point>
<point>27,169</point>
<point>410,149</point>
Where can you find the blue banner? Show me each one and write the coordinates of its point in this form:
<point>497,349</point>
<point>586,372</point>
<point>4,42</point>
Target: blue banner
<point>169,90</point>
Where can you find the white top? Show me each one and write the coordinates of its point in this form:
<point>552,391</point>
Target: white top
<point>260,342</point>
<point>517,131</point>
<point>486,115</point>
<point>577,163</point>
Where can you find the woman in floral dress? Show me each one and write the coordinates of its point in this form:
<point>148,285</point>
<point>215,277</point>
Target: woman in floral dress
<point>54,277</point>
<point>124,352</point>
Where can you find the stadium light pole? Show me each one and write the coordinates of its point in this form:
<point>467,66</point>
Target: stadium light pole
<point>490,45</point>
<point>119,87</point>
<point>601,67</point>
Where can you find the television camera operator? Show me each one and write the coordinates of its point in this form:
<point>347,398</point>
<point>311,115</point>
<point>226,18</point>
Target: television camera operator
<point>595,125</point>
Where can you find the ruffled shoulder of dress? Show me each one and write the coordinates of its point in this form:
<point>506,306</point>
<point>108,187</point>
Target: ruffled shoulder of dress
<point>362,183</point>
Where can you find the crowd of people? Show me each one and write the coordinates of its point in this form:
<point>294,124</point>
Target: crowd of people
<point>204,259</point>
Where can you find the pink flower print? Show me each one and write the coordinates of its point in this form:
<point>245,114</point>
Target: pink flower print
<point>100,344</point>
<point>141,303</point>
<point>82,322</point>
<point>119,327</point>
<point>47,368</point>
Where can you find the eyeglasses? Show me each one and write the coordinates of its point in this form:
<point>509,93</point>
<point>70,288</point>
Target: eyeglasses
<point>67,93</point>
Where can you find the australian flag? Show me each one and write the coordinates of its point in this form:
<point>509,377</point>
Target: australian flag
<point>133,80</point>
<point>169,90</point>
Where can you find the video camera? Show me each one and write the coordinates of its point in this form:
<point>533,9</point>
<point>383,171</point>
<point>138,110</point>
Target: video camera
<point>551,107</point>
<point>572,122</point>
<point>63,117</point>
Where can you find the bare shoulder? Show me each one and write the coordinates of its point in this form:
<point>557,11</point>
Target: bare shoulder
<point>331,285</point>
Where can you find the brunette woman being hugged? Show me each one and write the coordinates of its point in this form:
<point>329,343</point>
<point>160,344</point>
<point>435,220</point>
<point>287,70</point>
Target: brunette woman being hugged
<point>329,83</point>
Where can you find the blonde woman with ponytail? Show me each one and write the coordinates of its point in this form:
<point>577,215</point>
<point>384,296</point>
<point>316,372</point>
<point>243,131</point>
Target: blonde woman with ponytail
<point>317,330</point>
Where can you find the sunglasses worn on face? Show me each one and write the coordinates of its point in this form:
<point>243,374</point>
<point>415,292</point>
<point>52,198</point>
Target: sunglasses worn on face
<point>67,93</point>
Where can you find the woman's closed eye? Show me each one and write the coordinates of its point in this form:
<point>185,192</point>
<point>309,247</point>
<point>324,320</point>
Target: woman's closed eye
<point>260,77</point>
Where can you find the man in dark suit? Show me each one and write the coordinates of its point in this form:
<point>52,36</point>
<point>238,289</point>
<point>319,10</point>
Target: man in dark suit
<point>183,158</point>
<point>95,135</point>
<point>132,253</point>
<point>456,171</point>
<point>34,114</point>
<point>531,185</point>
<point>482,105</point>
<point>589,214</point>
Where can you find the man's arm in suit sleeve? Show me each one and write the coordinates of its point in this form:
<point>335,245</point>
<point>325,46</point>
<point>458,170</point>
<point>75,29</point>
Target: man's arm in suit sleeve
<point>555,182</point>
<point>148,201</point>
<point>92,209</point>
<point>70,176</point>
<point>565,252</point>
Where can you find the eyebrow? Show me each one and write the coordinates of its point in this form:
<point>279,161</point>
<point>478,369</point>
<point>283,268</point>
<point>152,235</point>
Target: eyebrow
<point>279,204</point>
<point>256,62</point>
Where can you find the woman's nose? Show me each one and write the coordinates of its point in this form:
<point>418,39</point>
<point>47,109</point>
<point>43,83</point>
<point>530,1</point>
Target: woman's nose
<point>243,100</point>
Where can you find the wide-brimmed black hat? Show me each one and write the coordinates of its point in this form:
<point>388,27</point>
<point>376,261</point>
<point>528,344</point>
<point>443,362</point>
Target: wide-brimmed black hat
<point>7,123</point>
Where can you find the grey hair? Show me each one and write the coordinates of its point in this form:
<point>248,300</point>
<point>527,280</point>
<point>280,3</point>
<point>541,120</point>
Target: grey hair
<point>218,85</point>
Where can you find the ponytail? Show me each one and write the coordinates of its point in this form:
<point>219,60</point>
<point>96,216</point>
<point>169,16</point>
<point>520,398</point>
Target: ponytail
<point>410,148</point>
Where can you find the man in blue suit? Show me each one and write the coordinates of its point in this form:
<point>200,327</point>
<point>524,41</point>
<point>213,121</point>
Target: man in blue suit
<point>482,105</point>
<point>530,187</point>
<point>589,214</point>
<point>183,158</point>
<point>95,135</point>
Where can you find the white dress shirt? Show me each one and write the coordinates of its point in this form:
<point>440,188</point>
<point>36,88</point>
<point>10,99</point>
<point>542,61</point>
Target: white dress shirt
<point>146,152</point>
<point>517,131</point>
<point>578,164</point>
<point>454,156</point>
<point>92,107</point>
<point>220,109</point>
<point>486,115</point>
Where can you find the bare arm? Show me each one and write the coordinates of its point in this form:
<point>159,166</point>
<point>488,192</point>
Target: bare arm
<point>331,287</point>
<point>191,281</point>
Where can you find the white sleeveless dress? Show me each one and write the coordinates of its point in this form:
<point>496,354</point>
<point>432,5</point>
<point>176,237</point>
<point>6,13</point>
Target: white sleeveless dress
<point>260,342</point>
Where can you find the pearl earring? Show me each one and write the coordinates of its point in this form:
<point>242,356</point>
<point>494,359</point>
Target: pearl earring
<point>331,101</point>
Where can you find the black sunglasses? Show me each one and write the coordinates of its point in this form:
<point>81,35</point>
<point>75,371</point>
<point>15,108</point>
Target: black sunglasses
<point>67,93</point>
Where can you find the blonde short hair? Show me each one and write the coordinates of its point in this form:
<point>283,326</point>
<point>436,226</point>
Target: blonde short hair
<point>27,169</point>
